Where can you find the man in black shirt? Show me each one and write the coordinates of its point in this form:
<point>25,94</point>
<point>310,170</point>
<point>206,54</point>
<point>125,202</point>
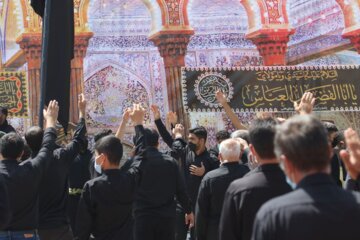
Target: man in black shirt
<point>245,196</point>
<point>79,174</point>
<point>23,180</point>
<point>105,207</point>
<point>4,204</point>
<point>161,181</point>
<point>53,193</point>
<point>220,136</point>
<point>194,161</point>
<point>212,190</point>
<point>4,125</point>
<point>318,208</point>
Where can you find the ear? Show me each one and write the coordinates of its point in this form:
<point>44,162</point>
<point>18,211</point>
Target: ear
<point>220,157</point>
<point>288,165</point>
<point>252,149</point>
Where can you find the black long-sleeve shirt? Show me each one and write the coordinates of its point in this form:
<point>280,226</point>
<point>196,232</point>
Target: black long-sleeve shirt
<point>23,182</point>
<point>6,127</point>
<point>245,196</point>
<point>5,213</point>
<point>161,181</point>
<point>105,207</point>
<point>211,197</point>
<point>317,209</point>
<point>186,158</point>
<point>53,194</point>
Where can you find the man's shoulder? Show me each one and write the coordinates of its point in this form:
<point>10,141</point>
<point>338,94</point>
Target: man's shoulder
<point>251,180</point>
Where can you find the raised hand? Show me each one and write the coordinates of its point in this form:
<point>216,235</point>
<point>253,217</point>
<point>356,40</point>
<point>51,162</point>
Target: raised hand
<point>306,104</point>
<point>172,117</point>
<point>82,105</point>
<point>351,157</point>
<point>156,112</point>
<point>126,115</point>
<point>220,97</point>
<point>137,114</point>
<point>178,131</point>
<point>51,114</point>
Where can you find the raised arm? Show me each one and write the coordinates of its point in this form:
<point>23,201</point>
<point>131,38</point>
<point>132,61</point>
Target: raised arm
<point>229,112</point>
<point>48,145</point>
<point>71,150</point>
<point>137,117</point>
<point>121,130</point>
<point>165,135</point>
<point>351,157</point>
<point>306,104</point>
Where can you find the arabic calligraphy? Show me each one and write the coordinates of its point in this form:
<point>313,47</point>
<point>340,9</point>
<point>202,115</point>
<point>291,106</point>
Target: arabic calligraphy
<point>288,75</point>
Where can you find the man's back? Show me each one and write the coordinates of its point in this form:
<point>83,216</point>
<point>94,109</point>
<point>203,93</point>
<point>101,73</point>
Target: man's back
<point>22,181</point>
<point>105,208</point>
<point>318,209</point>
<point>245,196</point>
<point>211,198</point>
<point>159,183</point>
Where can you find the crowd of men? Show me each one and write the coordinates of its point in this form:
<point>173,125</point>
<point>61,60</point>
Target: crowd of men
<point>278,179</point>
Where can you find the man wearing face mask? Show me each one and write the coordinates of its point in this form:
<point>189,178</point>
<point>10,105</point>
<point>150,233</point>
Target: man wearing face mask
<point>245,196</point>
<point>318,208</point>
<point>195,162</point>
<point>105,207</point>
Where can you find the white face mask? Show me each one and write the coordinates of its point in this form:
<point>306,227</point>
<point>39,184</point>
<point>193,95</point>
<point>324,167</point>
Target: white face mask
<point>288,180</point>
<point>97,167</point>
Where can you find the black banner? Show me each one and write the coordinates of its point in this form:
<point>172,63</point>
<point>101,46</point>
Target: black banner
<point>336,88</point>
<point>13,93</point>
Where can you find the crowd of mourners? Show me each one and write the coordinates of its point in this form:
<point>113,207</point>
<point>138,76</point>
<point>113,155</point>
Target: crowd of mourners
<point>281,179</point>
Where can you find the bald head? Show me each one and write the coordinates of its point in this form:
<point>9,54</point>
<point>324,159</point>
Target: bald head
<point>230,150</point>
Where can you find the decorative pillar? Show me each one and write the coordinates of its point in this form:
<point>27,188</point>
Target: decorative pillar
<point>269,29</point>
<point>272,45</point>
<point>30,43</point>
<point>172,47</point>
<point>77,72</point>
<point>351,11</point>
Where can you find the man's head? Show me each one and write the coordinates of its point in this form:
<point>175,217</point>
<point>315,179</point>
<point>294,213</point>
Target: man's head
<point>331,130</point>
<point>222,135</point>
<point>197,138</point>
<point>34,137</point>
<point>101,134</point>
<point>151,137</point>
<point>11,146</point>
<point>108,152</point>
<point>262,134</point>
<point>3,115</point>
<point>243,134</point>
<point>229,150</point>
<point>302,145</point>
<point>339,141</point>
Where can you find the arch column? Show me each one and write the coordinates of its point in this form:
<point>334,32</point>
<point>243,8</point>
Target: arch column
<point>172,47</point>
<point>269,29</point>
<point>77,72</point>
<point>351,11</point>
<point>30,43</point>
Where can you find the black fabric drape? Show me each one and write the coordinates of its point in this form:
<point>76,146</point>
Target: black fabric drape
<point>57,52</point>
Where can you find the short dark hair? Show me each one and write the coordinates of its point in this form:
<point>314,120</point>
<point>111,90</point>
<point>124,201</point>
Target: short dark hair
<point>11,146</point>
<point>262,134</point>
<point>330,127</point>
<point>4,110</point>
<point>101,134</point>
<point>338,138</point>
<point>110,146</point>
<point>243,134</point>
<point>303,140</point>
<point>34,137</point>
<point>222,135</point>
<point>199,132</point>
<point>151,137</point>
